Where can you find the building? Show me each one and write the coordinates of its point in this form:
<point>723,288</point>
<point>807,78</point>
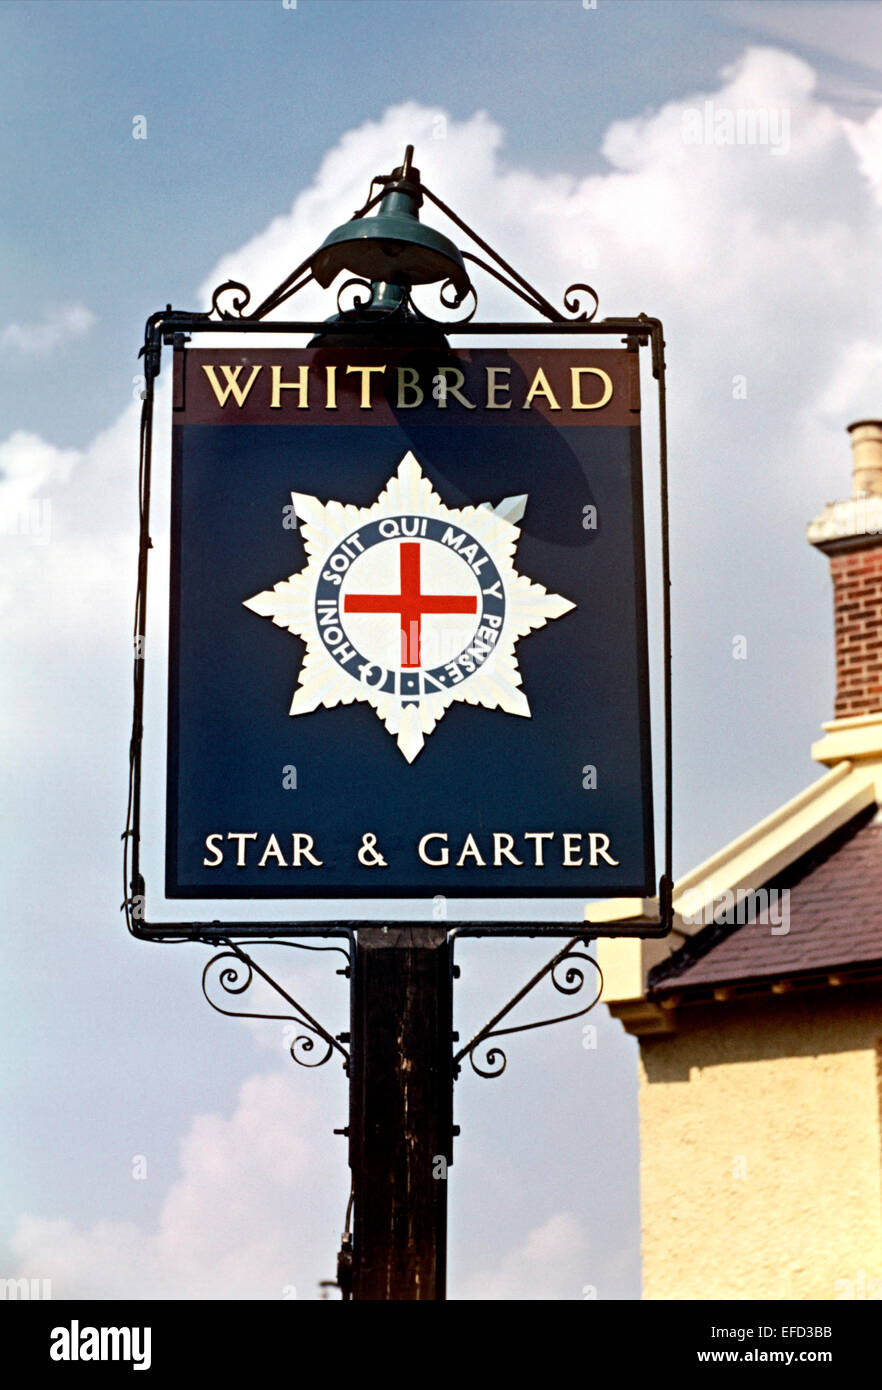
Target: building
<point>760,1019</point>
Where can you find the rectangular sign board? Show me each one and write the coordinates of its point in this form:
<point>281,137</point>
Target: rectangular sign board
<point>408,625</point>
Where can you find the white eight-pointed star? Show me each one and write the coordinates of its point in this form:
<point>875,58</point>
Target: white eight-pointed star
<point>409,605</point>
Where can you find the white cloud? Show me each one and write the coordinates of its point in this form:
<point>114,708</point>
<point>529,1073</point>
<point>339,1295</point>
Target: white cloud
<point>59,324</point>
<point>549,1264</point>
<point>68,530</point>
<point>29,468</point>
<point>68,540</point>
<point>866,138</point>
<point>237,1223</point>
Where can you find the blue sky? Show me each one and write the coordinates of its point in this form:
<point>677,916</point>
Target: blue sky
<point>243,98</point>
<point>563,144</point>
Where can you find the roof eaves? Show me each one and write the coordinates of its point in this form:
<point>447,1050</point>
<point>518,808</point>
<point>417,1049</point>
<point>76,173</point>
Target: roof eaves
<point>665,976</point>
<point>773,844</point>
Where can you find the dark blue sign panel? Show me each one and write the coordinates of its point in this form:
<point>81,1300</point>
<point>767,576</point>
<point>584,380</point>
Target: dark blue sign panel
<point>408,632</point>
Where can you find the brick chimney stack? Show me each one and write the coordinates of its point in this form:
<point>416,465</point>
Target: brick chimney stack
<point>850,532</point>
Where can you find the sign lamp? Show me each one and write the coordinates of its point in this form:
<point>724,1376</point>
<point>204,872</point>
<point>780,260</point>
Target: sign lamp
<point>392,249</point>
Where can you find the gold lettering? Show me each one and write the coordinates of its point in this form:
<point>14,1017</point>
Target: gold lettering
<point>408,380</point>
<point>301,386</point>
<point>331,377</point>
<point>451,390</point>
<point>239,393</point>
<point>540,387</point>
<point>365,383</point>
<point>576,374</point>
<point>493,386</point>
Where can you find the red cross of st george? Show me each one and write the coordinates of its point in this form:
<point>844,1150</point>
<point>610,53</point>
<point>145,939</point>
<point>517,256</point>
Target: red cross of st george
<point>411,603</point>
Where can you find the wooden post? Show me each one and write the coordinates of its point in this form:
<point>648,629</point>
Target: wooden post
<point>401,1111</point>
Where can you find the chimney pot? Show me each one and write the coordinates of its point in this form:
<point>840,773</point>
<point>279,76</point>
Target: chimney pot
<point>866,448</point>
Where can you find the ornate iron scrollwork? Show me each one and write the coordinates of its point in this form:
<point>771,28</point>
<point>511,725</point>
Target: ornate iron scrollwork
<point>354,283</point>
<point>239,301</point>
<point>573,302</point>
<point>450,299</point>
<point>495,266</point>
<point>234,971</point>
<point>494,1061</point>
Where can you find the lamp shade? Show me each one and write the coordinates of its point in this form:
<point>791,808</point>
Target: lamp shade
<point>393,246</point>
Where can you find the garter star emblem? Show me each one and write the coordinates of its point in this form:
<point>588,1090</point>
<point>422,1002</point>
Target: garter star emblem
<point>409,605</point>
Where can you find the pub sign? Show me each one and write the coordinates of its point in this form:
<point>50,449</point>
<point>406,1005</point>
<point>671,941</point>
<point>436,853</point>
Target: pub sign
<point>408,625</point>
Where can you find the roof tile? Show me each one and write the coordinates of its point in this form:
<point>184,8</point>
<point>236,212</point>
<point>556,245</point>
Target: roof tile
<point>834,918</point>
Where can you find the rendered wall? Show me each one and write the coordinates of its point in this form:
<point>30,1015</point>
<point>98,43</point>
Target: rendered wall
<point>761,1151</point>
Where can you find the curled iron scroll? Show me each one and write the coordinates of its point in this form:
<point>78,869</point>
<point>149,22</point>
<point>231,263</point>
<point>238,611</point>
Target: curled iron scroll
<point>239,301</point>
<point>357,302</point>
<point>234,972</point>
<point>573,302</point>
<point>450,299</point>
<point>306,1044</point>
<point>494,1061</point>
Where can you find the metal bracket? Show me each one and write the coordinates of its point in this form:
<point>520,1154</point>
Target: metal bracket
<point>240,295</point>
<point>234,971</point>
<point>573,981</point>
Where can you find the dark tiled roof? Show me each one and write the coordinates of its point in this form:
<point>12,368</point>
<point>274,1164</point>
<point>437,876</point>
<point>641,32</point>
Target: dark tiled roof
<point>835,912</point>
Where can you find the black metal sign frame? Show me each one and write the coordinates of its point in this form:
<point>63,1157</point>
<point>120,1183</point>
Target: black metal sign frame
<point>174,328</point>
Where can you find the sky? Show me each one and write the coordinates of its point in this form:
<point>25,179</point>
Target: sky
<point>152,1147</point>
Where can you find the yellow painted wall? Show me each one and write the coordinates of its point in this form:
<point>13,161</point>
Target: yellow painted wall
<point>761,1149</point>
